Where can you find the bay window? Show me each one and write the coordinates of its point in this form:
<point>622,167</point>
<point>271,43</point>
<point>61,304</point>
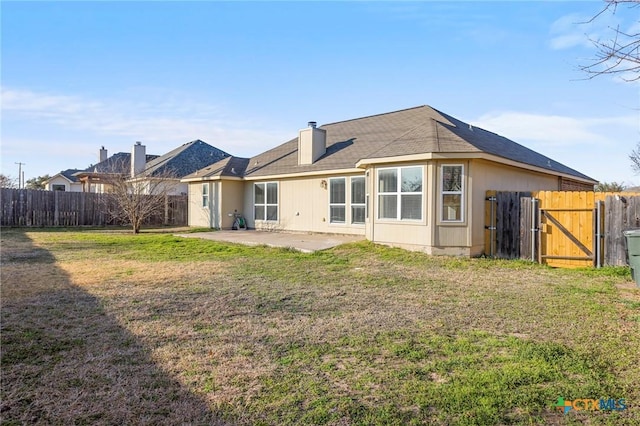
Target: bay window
<point>400,193</point>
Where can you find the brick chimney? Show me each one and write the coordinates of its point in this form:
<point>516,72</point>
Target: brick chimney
<point>138,158</point>
<point>312,144</point>
<point>103,154</point>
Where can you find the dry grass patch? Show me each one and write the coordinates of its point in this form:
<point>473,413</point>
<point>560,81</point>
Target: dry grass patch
<point>357,335</point>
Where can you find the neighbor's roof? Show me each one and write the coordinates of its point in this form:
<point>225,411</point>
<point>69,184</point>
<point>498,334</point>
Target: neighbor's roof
<point>227,167</point>
<point>184,160</point>
<point>410,131</point>
<point>67,174</point>
<point>117,163</point>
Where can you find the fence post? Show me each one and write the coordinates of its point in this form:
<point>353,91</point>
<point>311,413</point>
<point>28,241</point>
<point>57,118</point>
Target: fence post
<point>598,236</point>
<point>491,226</point>
<point>56,208</point>
<point>534,227</point>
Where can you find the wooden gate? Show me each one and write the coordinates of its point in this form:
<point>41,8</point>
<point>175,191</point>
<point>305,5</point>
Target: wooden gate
<point>560,228</point>
<point>503,223</point>
<point>568,228</point>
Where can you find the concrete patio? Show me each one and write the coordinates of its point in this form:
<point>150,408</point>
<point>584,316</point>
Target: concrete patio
<point>306,243</point>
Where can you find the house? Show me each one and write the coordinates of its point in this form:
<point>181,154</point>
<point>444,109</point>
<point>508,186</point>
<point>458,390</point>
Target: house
<point>178,163</point>
<point>414,178</point>
<point>95,178</point>
<point>142,168</point>
<point>64,181</point>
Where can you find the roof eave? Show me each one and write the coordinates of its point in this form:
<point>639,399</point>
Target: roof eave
<point>60,175</point>
<point>468,155</point>
<point>303,174</point>
<point>196,179</point>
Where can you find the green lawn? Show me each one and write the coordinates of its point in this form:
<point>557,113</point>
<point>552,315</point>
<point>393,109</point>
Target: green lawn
<point>112,328</point>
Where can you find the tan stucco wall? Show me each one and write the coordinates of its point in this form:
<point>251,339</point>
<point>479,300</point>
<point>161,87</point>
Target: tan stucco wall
<point>435,236</point>
<point>230,200</point>
<point>303,206</point>
<point>485,176</point>
<point>199,215</point>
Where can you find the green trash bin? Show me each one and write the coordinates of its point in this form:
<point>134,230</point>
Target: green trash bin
<point>633,250</point>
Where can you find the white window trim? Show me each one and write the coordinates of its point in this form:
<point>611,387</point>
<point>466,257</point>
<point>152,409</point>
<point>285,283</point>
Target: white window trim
<point>367,198</point>
<point>348,217</point>
<point>346,194</point>
<point>352,204</point>
<point>398,193</point>
<point>443,193</point>
<point>265,204</point>
<point>206,195</point>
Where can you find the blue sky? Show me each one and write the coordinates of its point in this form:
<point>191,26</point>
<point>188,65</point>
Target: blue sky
<point>245,76</point>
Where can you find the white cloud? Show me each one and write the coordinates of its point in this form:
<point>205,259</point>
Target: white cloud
<point>596,146</point>
<point>570,31</point>
<point>168,119</point>
<point>576,30</point>
<point>554,129</point>
<point>53,132</point>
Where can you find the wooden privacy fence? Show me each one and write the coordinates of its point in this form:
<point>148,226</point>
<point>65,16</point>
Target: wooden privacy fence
<point>561,228</point>
<point>35,208</point>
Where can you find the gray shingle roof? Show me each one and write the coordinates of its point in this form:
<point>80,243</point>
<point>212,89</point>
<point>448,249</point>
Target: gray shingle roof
<point>410,131</point>
<point>69,174</point>
<point>230,166</point>
<point>118,163</point>
<point>184,160</point>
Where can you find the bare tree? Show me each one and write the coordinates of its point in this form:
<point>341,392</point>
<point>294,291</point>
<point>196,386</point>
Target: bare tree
<point>635,159</point>
<point>7,181</point>
<point>619,55</point>
<point>132,201</point>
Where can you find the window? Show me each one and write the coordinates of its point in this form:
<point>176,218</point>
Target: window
<point>205,195</point>
<point>58,188</point>
<point>265,200</point>
<point>337,200</point>
<point>452,190</point>
<point>358,206</point>
<point>366,200</point>
<point>400,193</point>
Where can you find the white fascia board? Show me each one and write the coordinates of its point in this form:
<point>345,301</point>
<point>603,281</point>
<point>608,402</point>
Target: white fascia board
<point>466,155</point>
<point>210,179</point>
<point>304,174</point>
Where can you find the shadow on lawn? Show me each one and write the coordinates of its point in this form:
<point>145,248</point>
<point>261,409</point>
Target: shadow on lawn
<point>66,361</point>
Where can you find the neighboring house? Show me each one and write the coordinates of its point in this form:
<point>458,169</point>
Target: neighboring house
<point>64,181</point>
<point>414,178</point>
<point>174,165</point>
<point>142,168</point>
<point>96,178</point>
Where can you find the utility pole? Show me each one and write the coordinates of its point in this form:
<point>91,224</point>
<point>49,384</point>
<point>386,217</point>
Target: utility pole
<point>20,175</point>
